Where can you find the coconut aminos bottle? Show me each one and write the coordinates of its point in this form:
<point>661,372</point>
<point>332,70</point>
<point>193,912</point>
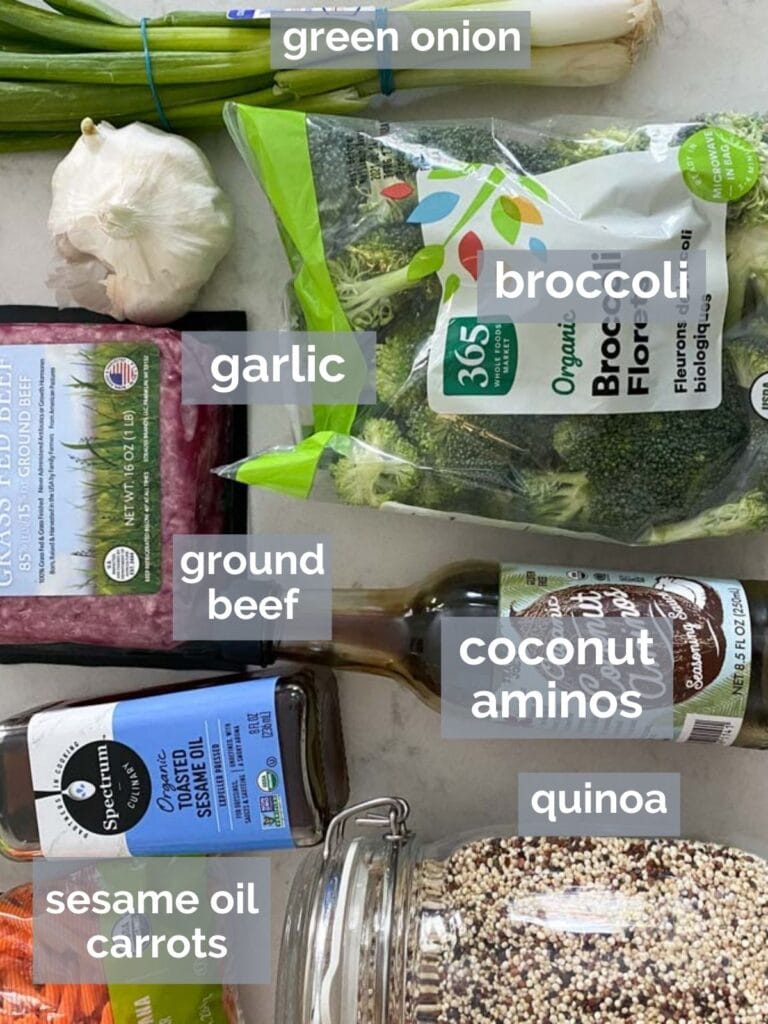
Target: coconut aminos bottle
<point>720,683</point>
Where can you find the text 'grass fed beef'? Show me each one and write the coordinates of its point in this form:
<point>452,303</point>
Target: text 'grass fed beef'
<point>100,465</point>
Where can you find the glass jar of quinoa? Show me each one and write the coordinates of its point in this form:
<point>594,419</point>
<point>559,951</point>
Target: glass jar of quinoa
<point>382,929</point>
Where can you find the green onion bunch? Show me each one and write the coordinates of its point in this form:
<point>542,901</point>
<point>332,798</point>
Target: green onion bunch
<point>84,58</point>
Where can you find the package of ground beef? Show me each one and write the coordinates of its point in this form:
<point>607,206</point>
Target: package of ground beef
<point>100,466</point>
<point>504,929</point>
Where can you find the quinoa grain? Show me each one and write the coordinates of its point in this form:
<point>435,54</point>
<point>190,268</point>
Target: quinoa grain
<point>590,931</point>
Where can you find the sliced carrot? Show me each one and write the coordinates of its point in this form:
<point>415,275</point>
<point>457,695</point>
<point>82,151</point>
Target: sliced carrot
<point>91,998</point>
<point>22,1002</point>
<point>69,1002</point>
<point>51,995</point>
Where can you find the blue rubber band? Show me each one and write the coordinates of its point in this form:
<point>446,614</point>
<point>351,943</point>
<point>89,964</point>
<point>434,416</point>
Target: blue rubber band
<point>386,74</point>
<point>164,122</point>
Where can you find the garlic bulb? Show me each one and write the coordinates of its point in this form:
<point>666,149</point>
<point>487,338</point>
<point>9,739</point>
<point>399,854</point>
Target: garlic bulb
<point>138,222</point>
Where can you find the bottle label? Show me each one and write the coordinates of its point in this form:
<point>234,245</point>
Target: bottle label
<point>711,632</point>
<point>80,469</point>
<point>196,771</point>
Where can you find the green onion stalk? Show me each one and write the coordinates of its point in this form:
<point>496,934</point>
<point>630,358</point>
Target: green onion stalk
<point>85,58</point>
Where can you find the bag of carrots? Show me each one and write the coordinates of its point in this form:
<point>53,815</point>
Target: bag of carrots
<point>24,1002</point>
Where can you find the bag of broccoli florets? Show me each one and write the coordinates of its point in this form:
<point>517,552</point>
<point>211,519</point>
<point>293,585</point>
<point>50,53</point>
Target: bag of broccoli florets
<point>384,226</point>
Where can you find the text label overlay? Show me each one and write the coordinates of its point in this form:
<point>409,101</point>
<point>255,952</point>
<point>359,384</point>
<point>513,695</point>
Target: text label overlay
<point>599,804</point>
<point>560,678</point>
<point>588,286</point>
<point>372,38</point>
<point>278,368</point>
<point>168,920</point>
<point>254,588</point>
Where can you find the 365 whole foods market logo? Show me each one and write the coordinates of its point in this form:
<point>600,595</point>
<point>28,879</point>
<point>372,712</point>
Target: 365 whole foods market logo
<point>480,358</point>
<point>121,373</point>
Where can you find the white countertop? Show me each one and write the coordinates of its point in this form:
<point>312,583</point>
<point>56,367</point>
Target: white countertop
<point>711,57</point>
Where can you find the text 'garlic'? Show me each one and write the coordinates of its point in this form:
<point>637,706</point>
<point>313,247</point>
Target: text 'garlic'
<point>138,221</point>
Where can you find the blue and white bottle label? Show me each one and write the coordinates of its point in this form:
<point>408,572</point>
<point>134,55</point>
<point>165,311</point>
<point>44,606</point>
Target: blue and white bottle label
<point>195,771</point>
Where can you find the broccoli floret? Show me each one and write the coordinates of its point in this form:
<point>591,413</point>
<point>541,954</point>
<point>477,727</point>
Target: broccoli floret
<point>474,465</point>
<point>569,500</point>
<point>747,357</point>
<point>598,444</point>
<point>624,515</point>
<point>380,466</point>
<point>472,450</point>
<point>401,364</point>
<point>386,248</point>
<point>474,445</point>
<point>346,162</point>
<point>411,398</point>
<point>373,302</point>
<point>441,491</point>
<point>378,208</point>
<point>400,368</point>
<point>754,462</point>
<point>573,439</point>
<point>601,142</point>
<point>372,276</point>
<point>448,492</point>
<point>482,142</point>
<point>750,472</point>
<point>654,467</point>
<point>549,497</point>
<point>747,250</point>
<point>463,452</point>
<point>468,142</point>
<point>394,363</point>
<point>747,514</point>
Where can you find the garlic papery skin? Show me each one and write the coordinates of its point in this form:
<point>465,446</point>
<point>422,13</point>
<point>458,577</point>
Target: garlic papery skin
<point>138,221</point>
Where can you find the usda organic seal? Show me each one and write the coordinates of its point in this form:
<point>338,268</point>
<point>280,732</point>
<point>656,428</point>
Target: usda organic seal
<point>267,781</point>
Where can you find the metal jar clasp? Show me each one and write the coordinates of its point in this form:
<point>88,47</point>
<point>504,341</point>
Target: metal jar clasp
<point>383,812</point>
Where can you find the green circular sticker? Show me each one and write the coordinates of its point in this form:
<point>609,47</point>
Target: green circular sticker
<point>267,781</point>
<point>718,165</point>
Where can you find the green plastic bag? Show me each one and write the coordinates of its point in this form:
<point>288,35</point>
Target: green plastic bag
<point>384,225</point>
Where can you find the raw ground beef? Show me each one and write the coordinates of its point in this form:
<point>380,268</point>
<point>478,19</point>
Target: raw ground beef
<point>194,439</point>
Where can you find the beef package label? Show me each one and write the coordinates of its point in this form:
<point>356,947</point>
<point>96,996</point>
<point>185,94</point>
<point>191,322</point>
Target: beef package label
<point>195,771</point>
<point>711,634</point>
<point>79,469</point>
